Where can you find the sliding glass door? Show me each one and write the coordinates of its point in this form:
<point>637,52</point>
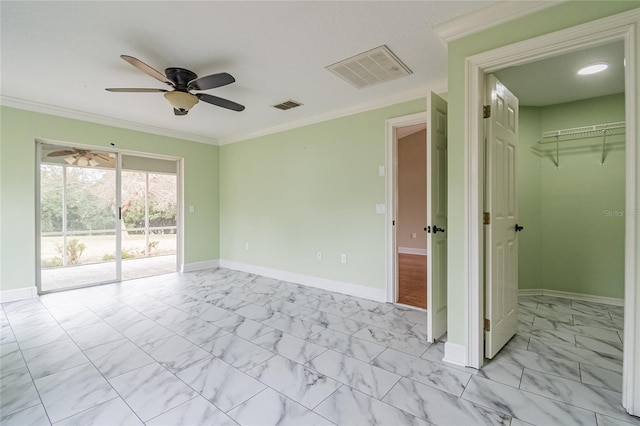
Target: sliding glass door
<point>77,218</point>
<point>104,217</point>
<point>149,223</point>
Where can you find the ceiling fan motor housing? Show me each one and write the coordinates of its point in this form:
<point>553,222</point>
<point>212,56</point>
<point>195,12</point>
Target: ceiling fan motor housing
<point>180,77</point>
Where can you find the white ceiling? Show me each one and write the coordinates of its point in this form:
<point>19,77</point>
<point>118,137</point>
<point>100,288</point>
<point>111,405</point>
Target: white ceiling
<point>59,56</point>
<point>63,54</point>
<point>555,80</point>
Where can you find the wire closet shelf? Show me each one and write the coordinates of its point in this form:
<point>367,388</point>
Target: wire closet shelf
<point>585,132</point>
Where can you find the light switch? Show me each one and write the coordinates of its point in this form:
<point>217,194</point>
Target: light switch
<point>380,208</point>
<point>380,170</point>
<point>192,208</point>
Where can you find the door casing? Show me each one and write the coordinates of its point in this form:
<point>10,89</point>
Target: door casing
<point>622,27</point>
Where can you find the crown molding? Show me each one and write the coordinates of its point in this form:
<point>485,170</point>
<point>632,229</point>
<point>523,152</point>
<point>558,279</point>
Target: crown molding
<point>494,15</point>
<point>439,86</point>
<point>101,119</point>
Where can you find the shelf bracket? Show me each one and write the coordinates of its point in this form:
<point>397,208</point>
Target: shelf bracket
<point>604,145</point>
<point>557,151</point>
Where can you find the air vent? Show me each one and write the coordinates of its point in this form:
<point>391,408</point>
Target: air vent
<point>373,67</point>
<point>287,105</point>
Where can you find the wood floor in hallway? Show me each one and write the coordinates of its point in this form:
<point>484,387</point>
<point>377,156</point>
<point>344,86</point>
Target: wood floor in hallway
<point>412,280</point>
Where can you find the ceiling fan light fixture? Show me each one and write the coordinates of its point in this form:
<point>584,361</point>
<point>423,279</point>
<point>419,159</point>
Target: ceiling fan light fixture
<point>70,159</point>
<point>182,101</point>
<point>593,68</point>
<point>93,163</point>
<point>82,162</point>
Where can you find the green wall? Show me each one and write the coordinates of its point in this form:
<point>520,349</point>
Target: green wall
<point>574,239</point>
<point>19,131</point>
<point>582,242</point>
<point>546,21</point>
<point>313,188</point>
<point>528,189</point>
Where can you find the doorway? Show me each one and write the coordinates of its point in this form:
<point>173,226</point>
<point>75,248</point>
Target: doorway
<point>411,216</point>
<point>435,203</point>
<point>620,27</point>
<point>103,216</point>
<point>569,182</point>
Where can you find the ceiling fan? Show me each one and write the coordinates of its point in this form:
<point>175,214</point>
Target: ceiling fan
<point>183,81</point>
<point>82,157</point>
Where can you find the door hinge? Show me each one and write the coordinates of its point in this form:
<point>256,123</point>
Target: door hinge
<point>486,111</point>
<point>487,325</point>
<point>486,218</point>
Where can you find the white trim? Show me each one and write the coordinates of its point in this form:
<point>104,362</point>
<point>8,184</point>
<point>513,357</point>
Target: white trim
<point>455,354</point>
<point>181,214</point>
<point>409,250</point>
<point>569,295</point>
<point>439,86</point>
<point>197,266</point>
<point>488,17</point>
<point>18,294</point>
<point>415,308</point>
<point>38,216</point>
<point>377,294</point>
<point>421,92</point>
<point>101,119</point>
<point>390,161</point>
<point>624,26</point>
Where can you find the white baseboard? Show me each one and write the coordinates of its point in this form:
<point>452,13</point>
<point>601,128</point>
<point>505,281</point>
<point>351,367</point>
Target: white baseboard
<point>568,295</point>
<point>455,354</point>
<point>377,294</point>
<point>18,294</point>
<point>409,250</point>
<point>197,266</point>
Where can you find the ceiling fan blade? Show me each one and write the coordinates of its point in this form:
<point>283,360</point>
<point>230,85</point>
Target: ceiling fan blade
<point>123,89</point>
<point>211,81</point>
<point>104,157</point>
<point>147,69</point>
<point>61,153</point>
<point>180,112</point>
<point>221,102</point>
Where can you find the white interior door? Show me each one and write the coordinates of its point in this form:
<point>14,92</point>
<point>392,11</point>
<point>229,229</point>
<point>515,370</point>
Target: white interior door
<point>436,217</point>
<point>501,249</point>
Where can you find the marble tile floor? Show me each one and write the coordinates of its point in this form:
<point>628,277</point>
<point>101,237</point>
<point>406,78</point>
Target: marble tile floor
<point>220,347</point>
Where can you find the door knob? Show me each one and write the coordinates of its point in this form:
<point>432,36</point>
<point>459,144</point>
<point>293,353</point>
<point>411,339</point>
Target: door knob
<point>436,229</point>
<point>519,228</point>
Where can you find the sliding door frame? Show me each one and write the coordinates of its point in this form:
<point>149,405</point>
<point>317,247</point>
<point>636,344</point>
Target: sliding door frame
<point>118,229</point>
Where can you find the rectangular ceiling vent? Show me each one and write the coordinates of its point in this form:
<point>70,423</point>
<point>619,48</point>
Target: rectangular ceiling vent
<point>373,67</point>
<point>287,105</point>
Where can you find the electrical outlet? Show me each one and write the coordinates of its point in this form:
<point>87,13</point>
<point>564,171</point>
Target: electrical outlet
<point>319,255</point>
<point>246,246</point>
<point>343,258</point>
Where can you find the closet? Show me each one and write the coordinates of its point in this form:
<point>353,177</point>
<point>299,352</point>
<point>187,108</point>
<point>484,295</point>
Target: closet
<point>571,197</point>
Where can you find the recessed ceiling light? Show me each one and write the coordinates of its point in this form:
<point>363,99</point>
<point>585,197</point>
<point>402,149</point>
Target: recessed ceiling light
<point>593,68</point>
